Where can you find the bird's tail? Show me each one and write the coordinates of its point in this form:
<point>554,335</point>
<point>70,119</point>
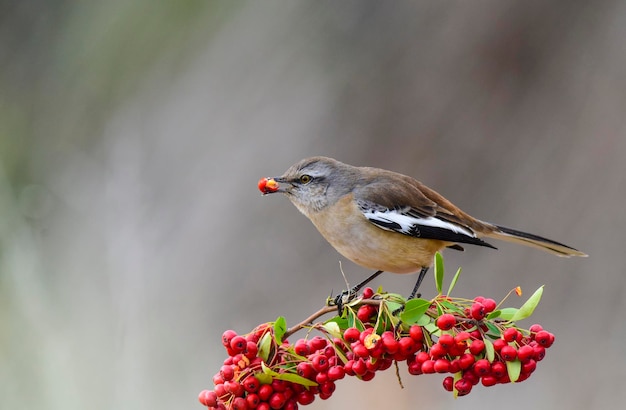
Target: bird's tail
<point>528,239</point>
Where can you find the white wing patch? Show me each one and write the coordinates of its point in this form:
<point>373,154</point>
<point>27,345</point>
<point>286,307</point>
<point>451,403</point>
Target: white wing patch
<point>396,220</point>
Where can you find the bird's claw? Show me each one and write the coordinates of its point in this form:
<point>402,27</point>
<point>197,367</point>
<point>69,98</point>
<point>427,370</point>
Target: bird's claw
<point>342,299</point>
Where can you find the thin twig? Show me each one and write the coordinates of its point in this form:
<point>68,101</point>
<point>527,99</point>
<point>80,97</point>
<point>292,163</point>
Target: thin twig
<point>322,312</point>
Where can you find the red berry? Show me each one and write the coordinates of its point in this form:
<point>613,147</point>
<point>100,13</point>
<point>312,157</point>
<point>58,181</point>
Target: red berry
<point>368,376</point>
<point>482,367</point>
<point>279,385</point>
<point>463,386</point>
<point>368,293</point>
<point>466,361</point>
<point>544,338</point>
<point>446,321</point>
<point>359,367</point>
<point>540,353</point>
<point>416,333</point>
<point>535,328</point>
<point>360,350</point>
<point>265,391</point>
<point>305,397</point>
<point>251,350</point>
<point>364,334</point>
<point>384,363</point>
<point>253,400</point>
<point>251,384</point>
<point>462,337</point>
<point>415,368</point>
<point>239,403</point>
<point>220,390</point>
<point>327,388</point>
<point>437,351</point>
<point>489,304</point>
<point>525,353</point>
<point>508,353</point>
<point>478,311</point>
<point>238,344</point>
<point>406,346</point>
<point>321,377</point>
<point>302,348</point>
<point>448,383</point>
<point>498,344</point>
<point>306,370</point>
<point>317,343</point>
<point>471,377</point>
<point>428,367</point>
<point>441,365</point>
<point>489,381</point>
<point>351,334</point>
<point>476,347</point>
<point>227,372</point>
<point>233,387</point>
<point>262,406</point>
<point>365,313</point>
<point>227,336</point>
<point>208,398</point>
<point>446,341</point>
<point>498,369</point>
<point>336,373</point>
<point>455,366</point>
<point>277,400</point>
<point>320,362</point>
<point>529,366</point>
<point>421,357</point>
<point>512,335</point>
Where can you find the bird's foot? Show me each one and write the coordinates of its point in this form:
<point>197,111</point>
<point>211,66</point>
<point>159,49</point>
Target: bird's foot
<point>342,299</point>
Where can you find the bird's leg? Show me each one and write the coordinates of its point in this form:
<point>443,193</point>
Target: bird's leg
<point>420,278</point>
<point>347,295</point>
<point>413,295</point>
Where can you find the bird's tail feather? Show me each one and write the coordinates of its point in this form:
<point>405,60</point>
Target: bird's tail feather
<point>528,239</point>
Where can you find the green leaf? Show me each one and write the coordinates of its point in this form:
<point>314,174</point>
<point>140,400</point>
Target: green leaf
<point>454,279</point>
<point>457,376</point>
<point>439,272</point>
<point>490,352</point>
<point>263,378</point>
<point>424,320</point>
<point>451,307</point>
<point>290,377</point>
<point>342,322</point>
<point>295,378</point>
<point>265,346</point>
<point>333,329</point>
<point>431,328</point>
<point>508,313</point>
<point>529,306</point>
<point>393,306</point>
<point>493,328</point>
<point>414,309</point>
<point>513,369</point>
<point>280,327</point>
<point>495,314</point>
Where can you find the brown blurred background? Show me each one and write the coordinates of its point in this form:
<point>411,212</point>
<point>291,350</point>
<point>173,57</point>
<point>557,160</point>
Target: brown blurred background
<point>132,135</point>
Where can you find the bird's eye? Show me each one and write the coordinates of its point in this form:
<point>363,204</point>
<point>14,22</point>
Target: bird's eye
<point>305,179</point>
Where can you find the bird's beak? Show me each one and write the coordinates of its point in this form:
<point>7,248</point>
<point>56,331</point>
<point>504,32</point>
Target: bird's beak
<point>270,185</point>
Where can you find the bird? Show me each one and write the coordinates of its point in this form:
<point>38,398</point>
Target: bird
<point>387,221</point>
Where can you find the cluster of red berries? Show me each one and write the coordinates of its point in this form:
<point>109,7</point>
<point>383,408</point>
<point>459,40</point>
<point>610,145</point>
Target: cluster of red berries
<point>453,336</point>
<point>466,349</point>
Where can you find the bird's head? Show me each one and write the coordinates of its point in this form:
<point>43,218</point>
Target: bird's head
<point>312,184</point>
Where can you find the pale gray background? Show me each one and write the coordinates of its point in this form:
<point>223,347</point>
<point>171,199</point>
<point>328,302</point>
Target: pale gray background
<point>132,135</point>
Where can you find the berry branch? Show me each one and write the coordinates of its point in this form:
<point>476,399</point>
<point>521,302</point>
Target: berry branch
<point>471,340</point>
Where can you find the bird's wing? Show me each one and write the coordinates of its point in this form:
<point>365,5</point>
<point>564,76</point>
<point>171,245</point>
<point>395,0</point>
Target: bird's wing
<point>400,206</point>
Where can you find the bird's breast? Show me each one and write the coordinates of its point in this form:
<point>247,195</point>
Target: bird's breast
<point>345,227</point>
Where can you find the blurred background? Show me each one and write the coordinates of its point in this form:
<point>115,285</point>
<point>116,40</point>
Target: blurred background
<point>132,135</point>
